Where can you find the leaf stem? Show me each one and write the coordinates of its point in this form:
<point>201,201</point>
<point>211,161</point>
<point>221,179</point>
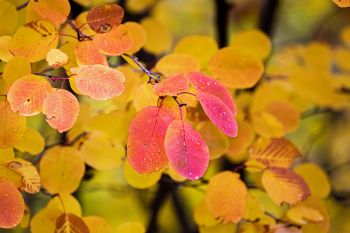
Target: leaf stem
<point>80,35</point>
<point>152,75</point>
<point>20,7</point>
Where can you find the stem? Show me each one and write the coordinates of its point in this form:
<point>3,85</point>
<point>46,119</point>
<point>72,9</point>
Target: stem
<point>20,7</point>
<point>80,35</point>
<point>222,9</point>
<point>152,75</point>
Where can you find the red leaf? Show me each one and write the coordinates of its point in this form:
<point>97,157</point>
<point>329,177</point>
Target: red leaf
<point>206,84</point>
<point>146,152</point>
<point>186,150</point>
<point>218,113</point>
<point>172,85</point>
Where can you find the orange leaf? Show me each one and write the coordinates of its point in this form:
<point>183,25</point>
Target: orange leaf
<point>146,153</point>
<point>55,11</point>
<point>172,85</point>
<point>187,152</point>
<point>70,223</point>
<point>274,152</point>
<point>99,82</point>
<point>342,3</point>
<point>86,53</point>
<point>61,109</point>
<point>102,18</point>
<point>12,204</point>
<point>177,63</point>
<point>26,96</point>
<point>226,197</point>
<point>284,186</point>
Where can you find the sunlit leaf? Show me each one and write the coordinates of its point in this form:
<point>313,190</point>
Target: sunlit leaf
<point>144,97</point>
<point>206,84</point>
<point>342,3</point>
<point>146,152</point>
<point>203,217</point>
<point>138,34</point>
<point>131,227</point>
<point>14,69</point>
<point>275,152</point>
<point>34,40</point>
<point>140,181</point>
<point>267,125</point>
<point>200,47</point>
<point>10,175</point>
<point>236,67</point>
<point>137,6</point>
<point>99,151</point>
<point>30,177</point>
<point>172,85</point>
<point>103,18</point>
<point>284,186</point>
<point>177,63</point>
<point>302,214</point>
<point>99,82</point>
<point>97,224</point>
<point>316,227</point>
<point>56,11</point>
<point>219,113</point>
<point>26,218</point>
<point>8,12</point>
<point>5,54</point>
<point>12,204</point>
<point>57,58</point>
<point>6,154</point>
<point>87,54</point>
<point>70,223</point>
<point>61,109</point>
<point>61,170</point>
<point>27,94</point>
<point>115,42</point>
<point>132,82</point>
<point>187,152</point>
<point>12,126</point>
<point>156,44</point>
<point>220,228</point>
<point>254,210</point>
<point>226,197</point>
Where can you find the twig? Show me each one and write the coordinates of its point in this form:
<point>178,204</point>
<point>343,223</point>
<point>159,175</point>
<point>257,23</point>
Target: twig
<point>80,35</point>
<point>20,7</point>
<point>152,75</point>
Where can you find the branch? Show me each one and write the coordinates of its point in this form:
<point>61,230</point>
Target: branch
<point>267,16</point>
<point>80,35</point>
<point>152,75</point>
<point>20,7</point>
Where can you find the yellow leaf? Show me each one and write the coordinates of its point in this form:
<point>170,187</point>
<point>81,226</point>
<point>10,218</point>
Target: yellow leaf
<point>200,47</point>
<point>267,125</point>
<point>138,34</point>
<point>57,58</point>
<point>131,227</point>
<point>31,142</point>
<point>226,197</point>
<point>144,97</point>
<point>177,63</point>
<point>254,40</point>
<point>6,154</point>
<point>203,217</point>
<point>14,69</point>
<point>12,126</point>
<point>253,209</point>
<point>132,82</point>
<point>284,186</point>
<point>236,67</point>
<point>10,175</point>
<point>97,225</point>
<point>34,40</point>
<point>220,228</point>
<point>154,43</point>
<point>341,58</point>
<point>61,170</point>
<point>26,218</point>
<point>302,214</point>
<point>5,54</point>
<point>315,178</point>
<point>8,12</point>
<point>138,6</point>
<point>316,227</point>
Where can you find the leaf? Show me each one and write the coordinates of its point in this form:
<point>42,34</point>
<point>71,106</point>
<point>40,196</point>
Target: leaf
<point>61,170</point>
<point>274,152</point>
<point>144,97</point>
<point>30,177</point>
<point>32,142</point>
<point>156,44</point>
<point>200,47</point>
<point>202,216</point>
<point>254,40</point>
<point>219,113</point>
<point>146,153</point>
<point>342,3</point>
<point>177,63</point>
<point>203,83</point>
<point>8,12</point>
<point>138,34</point>
<point>140,181</point>
<point>99,82</point>
<point>70,223</point>
<point>115,42</point>
<point>5,54</point>
<point>14,69</point>
<point>236,67</point>
<point>267,125</point>
<point>12,126</point>
<point>12,204</point>
<point>99,151</point>
<point>103,18</point>
<point>6,154</point>
<point>34,40</point>
<point>61,109</point>
<point>97,224</point>
<point>55,11</point>
<point>302,214</point>
<point>87,54</point>
<point>187,152</point>
<point>131,227</point>
<point>254,210</point>
<point>172,85</point>
<point>26,96</point>
<point>315,177</point>
<point>226,197</point>
<point>57,58</point>
<point>284,186</point>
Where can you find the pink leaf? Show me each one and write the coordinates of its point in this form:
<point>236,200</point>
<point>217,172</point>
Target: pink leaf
<point>146,152</point>
<point>61,109</point>
<point>98,81</point>
<point>172,85</point>
<point>206,84</point>
<point>218,113</point>
<point>186,150</point>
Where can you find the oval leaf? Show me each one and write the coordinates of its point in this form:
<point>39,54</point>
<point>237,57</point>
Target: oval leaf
<point>99,82</point>
<point>172,85</point>
<point>61,109</point>
<point>70,223</point>
<point>26,96</point>
<point>55,11</point>
<point>101,19</point>
<point>186,150</point>
<point>86,53</point>
<point>57,58</point>
<point>219,113</point>
<point>146,152</point>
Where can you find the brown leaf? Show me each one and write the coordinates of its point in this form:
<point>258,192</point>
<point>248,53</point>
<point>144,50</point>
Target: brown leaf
<point>70,223</point>
<point>101,19</point>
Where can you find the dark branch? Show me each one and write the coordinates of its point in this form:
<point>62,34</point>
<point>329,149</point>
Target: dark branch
<point>24,5</point>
